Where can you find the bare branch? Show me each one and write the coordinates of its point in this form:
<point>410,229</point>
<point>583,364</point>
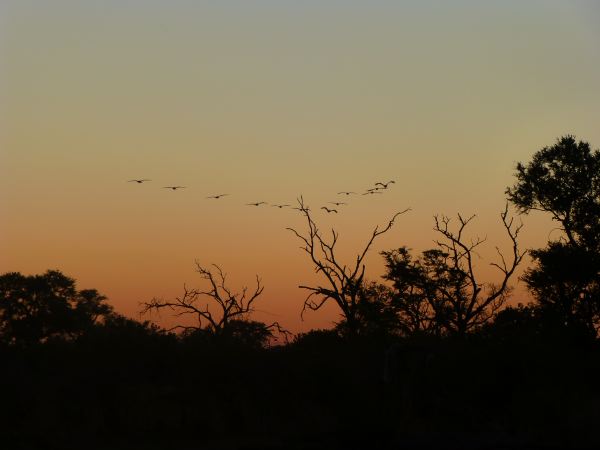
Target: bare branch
<point>231,306</point>
<point>472,303</point>
<point>343,282</point>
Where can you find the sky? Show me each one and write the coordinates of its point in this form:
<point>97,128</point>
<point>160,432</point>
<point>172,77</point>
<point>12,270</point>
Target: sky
<point>266,101</point>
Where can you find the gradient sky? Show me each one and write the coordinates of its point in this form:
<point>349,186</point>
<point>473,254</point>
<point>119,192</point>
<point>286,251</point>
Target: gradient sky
<point>267,100</point>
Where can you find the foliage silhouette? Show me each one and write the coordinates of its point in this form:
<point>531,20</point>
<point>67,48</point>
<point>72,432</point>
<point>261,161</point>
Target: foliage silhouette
<point>516,323</point>
<point>440,291</point>
<point>415,290</point>
<point>37,308</point>
<point>566,285</point>
<point>564,181</point>
<point>376,313</point>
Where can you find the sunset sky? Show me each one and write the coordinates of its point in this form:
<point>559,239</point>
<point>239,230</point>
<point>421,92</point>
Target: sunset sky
<point>266,101</point>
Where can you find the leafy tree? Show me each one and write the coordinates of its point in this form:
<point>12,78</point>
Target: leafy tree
<point>440,291</point>
<point>514,323</point>
<point>414,292</point>
<point>250,333</point>
<point>120,328</point>
<point>565,282</point>
<point>36,308</point>
<point>376,312</point>
<point>564,181</point>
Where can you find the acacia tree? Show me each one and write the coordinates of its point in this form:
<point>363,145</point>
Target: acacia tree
<point>230,318</point>
<point>440,291</point>
<point>344,283</point>
<point>564,181</point>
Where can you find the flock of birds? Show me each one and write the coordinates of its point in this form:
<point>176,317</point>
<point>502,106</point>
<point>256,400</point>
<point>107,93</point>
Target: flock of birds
<point>377,189</point>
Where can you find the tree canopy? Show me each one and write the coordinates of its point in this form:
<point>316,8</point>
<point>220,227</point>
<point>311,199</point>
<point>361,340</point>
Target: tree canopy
<point>35,308</point>
<point>564,181</point>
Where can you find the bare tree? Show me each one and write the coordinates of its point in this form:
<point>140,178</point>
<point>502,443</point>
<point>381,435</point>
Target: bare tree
<point>343,283</point>
<point>232,308</point>
<point>462,302</point>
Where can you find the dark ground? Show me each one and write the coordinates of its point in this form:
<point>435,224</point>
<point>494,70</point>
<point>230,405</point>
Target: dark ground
<point>321,392</point>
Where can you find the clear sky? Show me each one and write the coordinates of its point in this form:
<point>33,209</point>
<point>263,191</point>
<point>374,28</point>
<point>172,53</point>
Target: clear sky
<point>267,100</point>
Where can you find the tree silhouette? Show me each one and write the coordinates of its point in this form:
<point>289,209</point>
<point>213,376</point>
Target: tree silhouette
<point>376,312</point>
<point>344,284</point>
<point>233,309</point>
<point>565,282</point>
<point>36,308</point>
<point>440,290</point>
<point>516,323</point>
<point>414,290</point>
<point>564,181</point>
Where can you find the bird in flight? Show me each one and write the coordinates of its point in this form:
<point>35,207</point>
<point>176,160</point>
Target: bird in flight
<point>305,209</point>
<point>280,206</point>
<point>256,204</point>
<point>372,192</point>
<point>338,203</point>
<point>173,187</point>
<point>347,192</point>
<point>329,210</point>
<point>385,185</point>
<point>218,196</point>
<point>138,181</point>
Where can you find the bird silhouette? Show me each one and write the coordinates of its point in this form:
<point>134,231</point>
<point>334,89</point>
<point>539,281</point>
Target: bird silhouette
<point>256,204</point>
<point>174,187</point>
<point>385,185</point>
<point>372,192</point>
<point>347,192</point>
<point>138,181</point>
<point>305,209</point>
<point>338,203</point>
<point>218,196</point>
<point>280,206</point>
<point>329,210</point>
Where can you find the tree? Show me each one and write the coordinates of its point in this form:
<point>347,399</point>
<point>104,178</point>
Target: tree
<point>440,291</point>
<point>344,284</point>
<point>233,309</point>
<point>564,181</point>
<point>414,290</point>
<point>376,312</point>
<point>36,308</point>
<point>515,323</point>
<point>565,282</point>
